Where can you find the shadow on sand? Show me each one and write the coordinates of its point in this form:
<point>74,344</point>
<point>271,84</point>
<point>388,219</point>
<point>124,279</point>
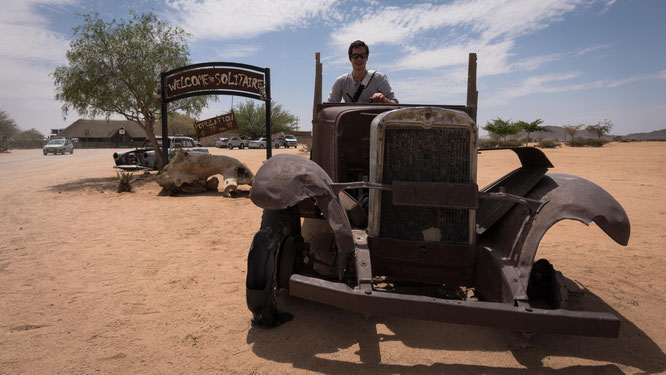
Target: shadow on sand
<point>329,330</point>
<point>140,180</point>
<point>101,183</point>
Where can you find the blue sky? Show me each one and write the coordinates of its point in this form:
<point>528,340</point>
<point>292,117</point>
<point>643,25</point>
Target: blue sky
<point>564,61</point>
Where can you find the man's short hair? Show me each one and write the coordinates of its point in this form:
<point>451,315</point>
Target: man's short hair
<point>356,44</point>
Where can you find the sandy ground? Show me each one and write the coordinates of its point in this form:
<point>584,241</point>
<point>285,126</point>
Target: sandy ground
<point>92,281</point>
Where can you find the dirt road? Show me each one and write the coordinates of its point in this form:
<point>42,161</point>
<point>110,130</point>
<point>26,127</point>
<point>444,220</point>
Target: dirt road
<point>92,281</point>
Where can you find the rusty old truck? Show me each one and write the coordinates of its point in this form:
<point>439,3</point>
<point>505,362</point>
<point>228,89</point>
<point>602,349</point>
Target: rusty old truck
<point>386,218</point>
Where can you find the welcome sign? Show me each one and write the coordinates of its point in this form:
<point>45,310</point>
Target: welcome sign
<point>215,79</point>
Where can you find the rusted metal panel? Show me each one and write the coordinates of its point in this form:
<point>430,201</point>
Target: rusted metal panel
<point>518,233</point>
<point>435,194</point>
<point>490,314</point>
<point>424,261</point>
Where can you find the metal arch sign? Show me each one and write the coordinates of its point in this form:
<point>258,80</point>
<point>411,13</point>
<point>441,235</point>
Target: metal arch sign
<point>214,78</point>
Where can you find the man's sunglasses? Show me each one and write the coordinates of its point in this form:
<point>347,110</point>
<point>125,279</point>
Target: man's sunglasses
<point>358,55</point>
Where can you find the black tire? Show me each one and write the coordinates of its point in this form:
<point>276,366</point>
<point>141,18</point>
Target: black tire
<point>71,152</point>
<point>242,146</point>
<point>230,146</point>
<point>264,266</point>
<point>262,146</point>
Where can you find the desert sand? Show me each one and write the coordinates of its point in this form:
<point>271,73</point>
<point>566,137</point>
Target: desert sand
<point>92,281</point>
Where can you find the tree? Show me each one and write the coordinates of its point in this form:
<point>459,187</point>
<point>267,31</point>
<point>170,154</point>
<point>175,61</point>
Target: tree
<point>531,127</point>
<point>571,130</point>
<point>601,128</point>
<point>8,127</point>
<point>115,67</point>
<point>30,135</point>
<point>501,128</point>
<point>251,119</point>
<point>181,124</point>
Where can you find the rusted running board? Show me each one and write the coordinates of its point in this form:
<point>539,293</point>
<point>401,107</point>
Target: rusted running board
<point>489,314</point>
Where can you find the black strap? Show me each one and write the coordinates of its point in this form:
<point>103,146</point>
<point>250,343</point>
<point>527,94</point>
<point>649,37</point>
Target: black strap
<point>362,87</point>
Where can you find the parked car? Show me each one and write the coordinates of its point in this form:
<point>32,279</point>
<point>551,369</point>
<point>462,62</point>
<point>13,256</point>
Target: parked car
<point>221,142</point>
<point>286,141</point>
<point>386,219</point>
<point>58,146</point>
<point>144,157</point>
<point>238,141</point>
<point>260,143</point>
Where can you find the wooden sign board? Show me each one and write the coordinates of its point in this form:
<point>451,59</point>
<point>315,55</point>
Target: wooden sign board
<point>214,79</point>
<point>215,125</point>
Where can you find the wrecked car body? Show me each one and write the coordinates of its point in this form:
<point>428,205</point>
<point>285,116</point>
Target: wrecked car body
<point>143,158</point>
<point>393,223</point>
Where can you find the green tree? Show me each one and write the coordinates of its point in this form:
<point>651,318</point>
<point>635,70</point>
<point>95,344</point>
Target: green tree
<point>30,135</point>
<point>601,128</point>
<point>572,130</point>
<point>8,127</point>
<point>114,67</point>
<point>501,128</point>
<point>531,127</point>
<point>251,119</point>
<point>181,124</point>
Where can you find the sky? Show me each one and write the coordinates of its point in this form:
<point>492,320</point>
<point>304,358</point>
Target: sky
<point>561,61</point>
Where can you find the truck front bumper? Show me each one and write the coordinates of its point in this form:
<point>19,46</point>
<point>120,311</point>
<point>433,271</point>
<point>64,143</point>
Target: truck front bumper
<point>491,314</point>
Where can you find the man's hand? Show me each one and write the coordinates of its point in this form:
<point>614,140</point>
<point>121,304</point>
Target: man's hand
<point>378,97</point>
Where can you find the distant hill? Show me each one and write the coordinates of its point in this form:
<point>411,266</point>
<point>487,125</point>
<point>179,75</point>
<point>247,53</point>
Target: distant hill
<point>657,134</point>
<point>557,132</point>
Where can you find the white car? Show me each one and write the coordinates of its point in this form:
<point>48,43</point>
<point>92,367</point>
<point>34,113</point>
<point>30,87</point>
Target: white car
<point>144,157</point>
<point>259,143</point>
<point>286,141</point>
<point>221,142</point>
<point>58,146</point>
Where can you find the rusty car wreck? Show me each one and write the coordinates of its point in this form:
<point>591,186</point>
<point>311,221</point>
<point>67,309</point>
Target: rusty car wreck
<point>386,218</point>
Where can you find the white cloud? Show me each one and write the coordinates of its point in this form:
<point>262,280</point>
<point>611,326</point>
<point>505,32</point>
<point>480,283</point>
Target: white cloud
<point>485,19</point>
<point>25,35</point>
<point>243,19</point>
<point>638,78</point>
<point>441,36</point>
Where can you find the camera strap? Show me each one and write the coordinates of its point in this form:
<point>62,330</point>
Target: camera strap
<point>364,83</point>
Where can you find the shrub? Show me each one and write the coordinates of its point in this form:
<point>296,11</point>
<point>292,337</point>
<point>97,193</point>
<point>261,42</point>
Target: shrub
<point>488,143</point>
<point>124,182</point>
<point>582,142</point>
<point>510,143</point>
<point>548,144</point>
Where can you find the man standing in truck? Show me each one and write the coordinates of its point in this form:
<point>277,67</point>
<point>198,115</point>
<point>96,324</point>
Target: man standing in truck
<point>361,85</point>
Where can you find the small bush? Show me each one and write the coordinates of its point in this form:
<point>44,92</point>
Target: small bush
<point>548,144</point>
<point>582,142</point>
<point>510,143</point>
<point>487,143</point>
<point>124,182</point>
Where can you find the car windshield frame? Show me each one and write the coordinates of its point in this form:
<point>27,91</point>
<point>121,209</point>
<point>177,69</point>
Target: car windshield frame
<point>57,142</point>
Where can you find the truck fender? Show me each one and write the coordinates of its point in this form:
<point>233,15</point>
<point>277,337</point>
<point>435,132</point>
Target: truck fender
<point>517,235</point>
<point>285,180</point>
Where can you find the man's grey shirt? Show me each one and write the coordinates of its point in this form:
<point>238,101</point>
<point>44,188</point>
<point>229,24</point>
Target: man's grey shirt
<point>345,88</point>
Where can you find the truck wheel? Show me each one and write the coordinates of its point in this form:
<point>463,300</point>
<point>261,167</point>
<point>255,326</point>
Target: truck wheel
<point>270,263</point>
<point>242,146</point>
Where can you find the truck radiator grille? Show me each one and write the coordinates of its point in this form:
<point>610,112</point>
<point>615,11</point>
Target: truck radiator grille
<point>425,155</point>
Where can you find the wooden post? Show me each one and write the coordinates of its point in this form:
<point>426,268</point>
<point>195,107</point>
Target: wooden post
<point>472,94</point>
<point>317,88</point>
